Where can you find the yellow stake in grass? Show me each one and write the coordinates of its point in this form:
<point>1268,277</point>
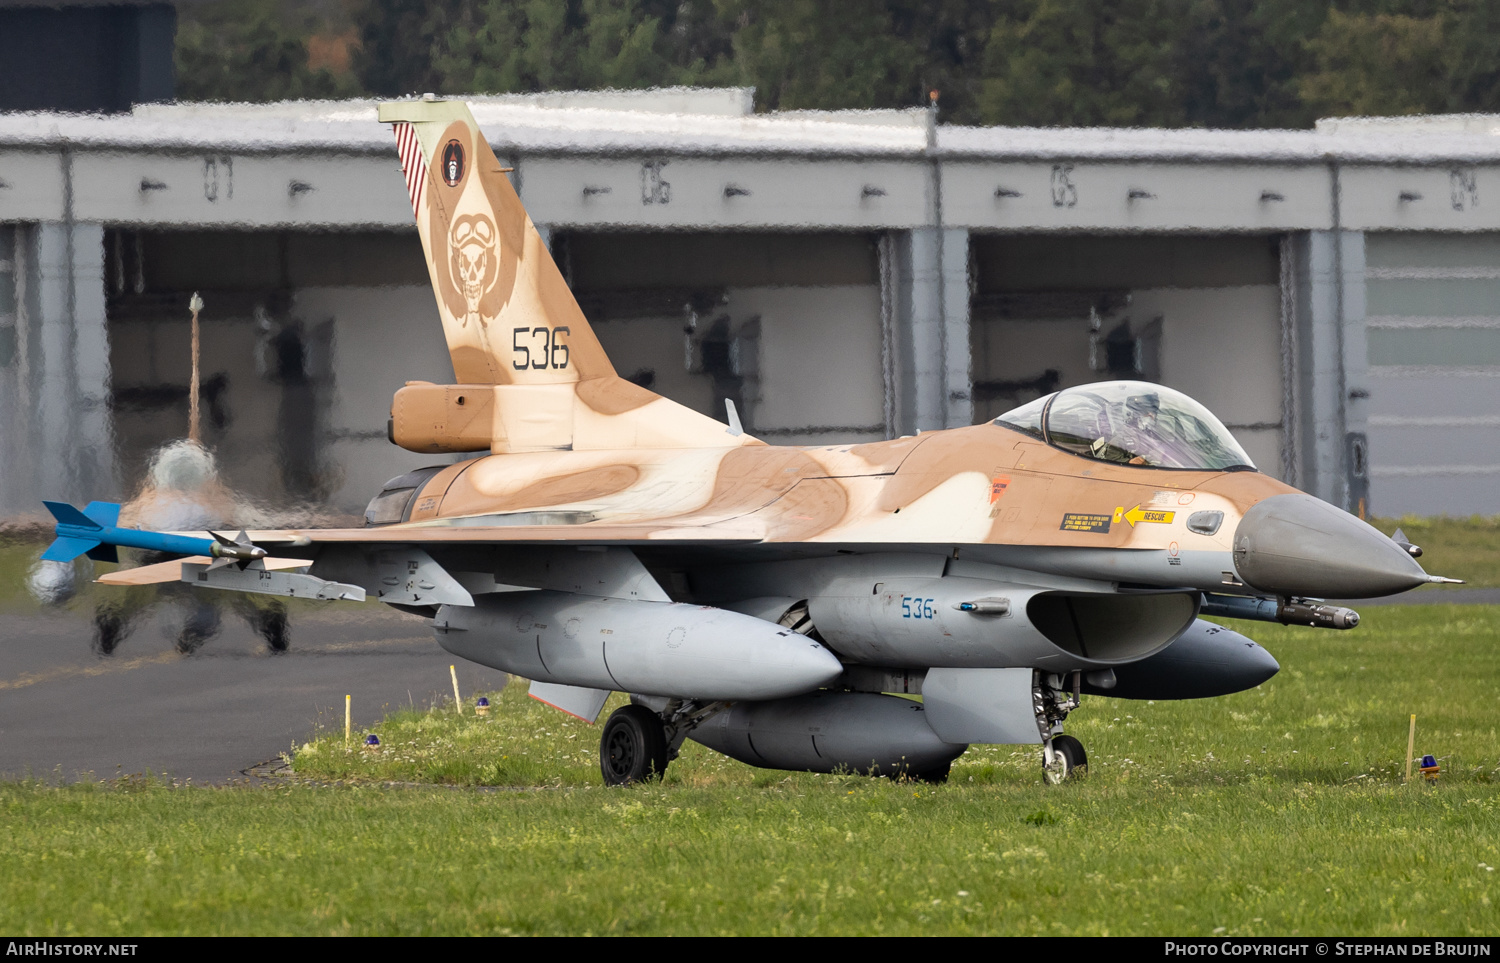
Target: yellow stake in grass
<point>1411,745</point>
<point>457,702</point>
<point>346,722</point>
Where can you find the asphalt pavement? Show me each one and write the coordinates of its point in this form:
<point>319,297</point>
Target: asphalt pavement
<point>68,712</point>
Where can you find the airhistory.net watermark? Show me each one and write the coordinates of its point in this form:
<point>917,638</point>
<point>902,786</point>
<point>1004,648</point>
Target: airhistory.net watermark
<point>67,948</point>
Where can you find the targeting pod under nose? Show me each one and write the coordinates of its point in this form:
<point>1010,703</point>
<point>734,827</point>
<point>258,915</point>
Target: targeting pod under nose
<point>1298,545</point>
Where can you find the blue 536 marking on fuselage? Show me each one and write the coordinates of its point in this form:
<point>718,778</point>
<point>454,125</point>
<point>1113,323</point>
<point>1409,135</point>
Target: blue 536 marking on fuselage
<point>918,609</point>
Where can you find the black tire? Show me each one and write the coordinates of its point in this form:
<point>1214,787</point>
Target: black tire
<point>936,775</point>
<point>110,629</point>
<point>202,624</point>
<point>1072,761</point>
<point>272,625</point>
<point>633,747</point>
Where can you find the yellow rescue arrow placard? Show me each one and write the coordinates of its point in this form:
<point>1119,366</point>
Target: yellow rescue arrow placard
<point>1138,514</point>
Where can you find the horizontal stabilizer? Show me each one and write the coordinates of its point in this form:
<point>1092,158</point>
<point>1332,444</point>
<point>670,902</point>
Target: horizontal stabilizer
<point>66,548</point>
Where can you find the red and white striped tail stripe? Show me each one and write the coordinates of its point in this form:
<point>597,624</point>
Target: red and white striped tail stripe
<point>413,164</point>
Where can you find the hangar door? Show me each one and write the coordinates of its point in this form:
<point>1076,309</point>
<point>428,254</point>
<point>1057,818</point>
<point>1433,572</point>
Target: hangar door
<point>787,326</point>
<point>1433,329</point>
<point>1201,314</point>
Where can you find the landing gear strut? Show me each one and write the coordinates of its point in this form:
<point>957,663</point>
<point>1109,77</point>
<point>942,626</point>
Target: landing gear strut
<point>1053,696</point>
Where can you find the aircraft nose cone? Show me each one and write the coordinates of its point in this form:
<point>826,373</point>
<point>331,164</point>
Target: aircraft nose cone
<point>1296,544</point>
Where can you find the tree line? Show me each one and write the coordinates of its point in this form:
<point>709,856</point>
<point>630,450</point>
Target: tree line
<point>1131,63</point>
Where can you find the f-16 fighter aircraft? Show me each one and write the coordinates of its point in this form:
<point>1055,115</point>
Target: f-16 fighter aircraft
<point>774,603</point>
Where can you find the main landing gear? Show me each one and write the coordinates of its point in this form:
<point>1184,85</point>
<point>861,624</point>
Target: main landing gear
<point>633,747</point>
<point>1053,696</point>
<point>638,742</point>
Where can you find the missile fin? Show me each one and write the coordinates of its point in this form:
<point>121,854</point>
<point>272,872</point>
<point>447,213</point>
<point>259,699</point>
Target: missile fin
<point>66,548</point>
<point>104,553</point>
<point>105,514</point>
<point>68,515</point>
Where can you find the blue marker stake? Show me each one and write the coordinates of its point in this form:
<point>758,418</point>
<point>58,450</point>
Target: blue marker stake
<point>94,532</point>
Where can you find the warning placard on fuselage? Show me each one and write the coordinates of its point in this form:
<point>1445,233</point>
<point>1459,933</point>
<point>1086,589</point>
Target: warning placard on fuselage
<point>1077,522</point>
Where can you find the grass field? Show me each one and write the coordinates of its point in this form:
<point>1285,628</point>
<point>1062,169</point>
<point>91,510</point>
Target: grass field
<point>1275,811</point>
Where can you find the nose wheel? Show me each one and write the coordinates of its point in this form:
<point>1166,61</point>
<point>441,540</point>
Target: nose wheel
<point>1068,760</point>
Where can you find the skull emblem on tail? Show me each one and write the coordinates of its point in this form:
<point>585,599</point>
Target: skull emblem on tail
<point>473,260</point>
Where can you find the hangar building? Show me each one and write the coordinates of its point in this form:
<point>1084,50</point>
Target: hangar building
<point>1333,295</point>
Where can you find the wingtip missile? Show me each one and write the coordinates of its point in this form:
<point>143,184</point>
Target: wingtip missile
<point>93,531</point>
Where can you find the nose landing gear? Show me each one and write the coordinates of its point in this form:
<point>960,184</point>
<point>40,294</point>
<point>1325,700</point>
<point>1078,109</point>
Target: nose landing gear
<point>1053,697</point>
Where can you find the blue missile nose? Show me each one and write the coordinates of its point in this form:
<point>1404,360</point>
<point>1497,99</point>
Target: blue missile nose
<point>1299,545</point>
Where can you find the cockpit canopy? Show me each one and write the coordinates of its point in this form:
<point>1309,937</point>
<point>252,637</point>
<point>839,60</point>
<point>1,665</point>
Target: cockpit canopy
<point>1131,423</point>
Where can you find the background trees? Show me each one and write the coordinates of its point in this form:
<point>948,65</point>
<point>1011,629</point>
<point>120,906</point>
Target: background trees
<point>1167,63</point>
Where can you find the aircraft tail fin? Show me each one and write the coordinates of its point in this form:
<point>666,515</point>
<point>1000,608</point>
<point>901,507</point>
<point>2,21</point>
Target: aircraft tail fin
<point>507,311</point>
<point>531,374</point>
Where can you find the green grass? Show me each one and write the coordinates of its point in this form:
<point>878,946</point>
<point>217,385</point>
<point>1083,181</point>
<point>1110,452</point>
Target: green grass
<point>1276,811</point>
<point>1337,711</point>
<point>1466,548</point>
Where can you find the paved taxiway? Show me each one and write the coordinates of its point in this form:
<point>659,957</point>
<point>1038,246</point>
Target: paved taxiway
<point>67,711</point>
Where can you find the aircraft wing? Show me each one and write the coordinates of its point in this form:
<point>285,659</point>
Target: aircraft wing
<point>461,534</point>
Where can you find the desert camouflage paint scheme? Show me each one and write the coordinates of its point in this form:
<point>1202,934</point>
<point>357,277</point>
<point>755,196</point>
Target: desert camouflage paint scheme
<point>766,601</point>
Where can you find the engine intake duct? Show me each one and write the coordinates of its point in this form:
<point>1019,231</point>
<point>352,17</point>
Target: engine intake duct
<point>831,731</point>
<point>1111,628</point>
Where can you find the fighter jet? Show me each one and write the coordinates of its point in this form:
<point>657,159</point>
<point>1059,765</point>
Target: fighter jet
<point>776,604</point>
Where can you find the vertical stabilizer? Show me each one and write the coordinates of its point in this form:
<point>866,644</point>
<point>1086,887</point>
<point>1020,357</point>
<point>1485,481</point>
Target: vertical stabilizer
<point>531,374</point>
<point>507,312</point>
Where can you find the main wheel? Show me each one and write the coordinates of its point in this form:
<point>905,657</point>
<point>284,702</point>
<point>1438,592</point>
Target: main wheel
<point>936,775</point>
<point>272,626</point>
<point>633,747</point>
<point>110,629</point>
<point>1069,761</point>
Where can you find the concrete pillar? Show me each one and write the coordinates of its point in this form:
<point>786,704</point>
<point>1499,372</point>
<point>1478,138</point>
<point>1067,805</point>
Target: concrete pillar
<point>1331,362</point>
<point>58,429</point>
<point>925,286</point>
